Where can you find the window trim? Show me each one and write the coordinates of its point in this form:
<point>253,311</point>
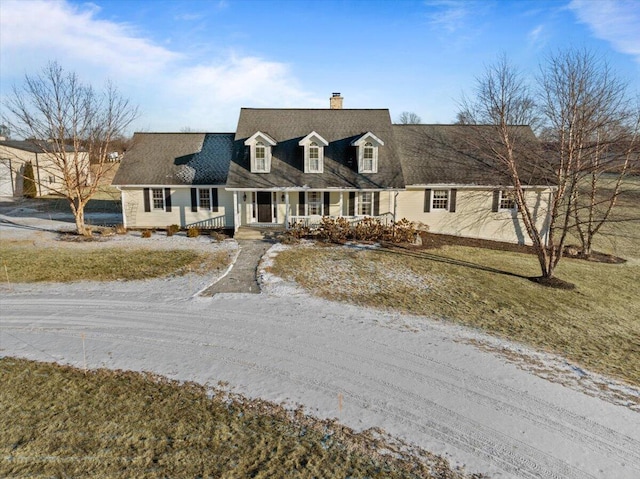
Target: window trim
<point>319,202</point>
<point>447,200</point>
<point>362,143</point>
<point>260,140</point>
<point>154,199</point>
<point>361,203</point>
<point>313,140</point>
<point>507,196</point>
<point>208,191</point>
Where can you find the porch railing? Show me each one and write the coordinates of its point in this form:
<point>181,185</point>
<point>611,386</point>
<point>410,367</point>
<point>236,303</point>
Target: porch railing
<point>314,221</point>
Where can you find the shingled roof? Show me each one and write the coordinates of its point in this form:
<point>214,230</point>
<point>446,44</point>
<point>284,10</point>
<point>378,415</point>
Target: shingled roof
<point>176,159</point>
<point>338,126</point>
<point>34,146</point>
<point>461,155</point>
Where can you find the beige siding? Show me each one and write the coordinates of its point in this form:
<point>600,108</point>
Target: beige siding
<point>474,217</point>
<point>48,176</point>
<point>180,214</point>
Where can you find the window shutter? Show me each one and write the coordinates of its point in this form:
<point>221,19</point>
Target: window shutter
<point>496,201</point>
<point>167,199</point>
<point>305,155</point>
<point>327,203</point>
<point>427,200</point>
<point>147,201</point>
<point>376,203</point>
<point>352,203</point>
<point>214,200</point>
<point>301,203</point>
<point>194,199</point>
<point>452,200</point>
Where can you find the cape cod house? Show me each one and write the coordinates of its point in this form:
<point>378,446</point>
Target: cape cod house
<point>284,166</point>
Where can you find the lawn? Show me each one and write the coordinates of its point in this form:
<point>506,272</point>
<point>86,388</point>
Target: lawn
<point>63,422</point>
<point>22,263</point>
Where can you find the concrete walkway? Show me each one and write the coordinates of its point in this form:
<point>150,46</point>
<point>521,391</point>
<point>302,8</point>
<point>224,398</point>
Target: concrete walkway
<point>242,277</point>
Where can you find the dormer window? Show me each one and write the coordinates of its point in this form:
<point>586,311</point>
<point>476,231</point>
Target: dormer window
<point>367,162</point>
<point>260,145</point>
<point>261,157</point>
<point>368,146</point>
<point>313,145</point>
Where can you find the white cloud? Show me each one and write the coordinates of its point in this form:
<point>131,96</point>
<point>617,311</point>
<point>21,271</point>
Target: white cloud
<point>173,89</point>
<point>615,21</point>
<point>536,36</point>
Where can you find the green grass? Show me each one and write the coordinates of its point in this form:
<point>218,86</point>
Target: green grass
<point>595,325</point>
<point>58,421</point>
<point>23,263</point>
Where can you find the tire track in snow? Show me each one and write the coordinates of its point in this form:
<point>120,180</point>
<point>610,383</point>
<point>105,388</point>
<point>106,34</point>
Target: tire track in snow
<point>434,420</point>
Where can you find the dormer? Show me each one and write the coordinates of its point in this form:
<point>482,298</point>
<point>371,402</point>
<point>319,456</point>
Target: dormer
<point>367,146</point>
<point>313,145</point>
<point>260,151</point>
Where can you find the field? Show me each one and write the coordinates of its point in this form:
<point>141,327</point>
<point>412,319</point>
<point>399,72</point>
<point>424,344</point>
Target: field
<point>63,422</point>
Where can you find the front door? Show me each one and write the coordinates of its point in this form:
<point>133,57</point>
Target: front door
<point>264,207</point>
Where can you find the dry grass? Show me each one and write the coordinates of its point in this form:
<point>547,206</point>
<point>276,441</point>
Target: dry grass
<point>595,325</point>
<point>25,263</point>
<point>60,422</point>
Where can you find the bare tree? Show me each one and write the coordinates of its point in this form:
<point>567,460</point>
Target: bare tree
<point>589,131</point>
<point>592,129</point>
<point>74,126</point>
<point>503,102</point>
<point>409,118</point>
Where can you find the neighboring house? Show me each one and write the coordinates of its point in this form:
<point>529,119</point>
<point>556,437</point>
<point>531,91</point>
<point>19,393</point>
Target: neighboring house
<point>14,155</point>
<point>286,166</point>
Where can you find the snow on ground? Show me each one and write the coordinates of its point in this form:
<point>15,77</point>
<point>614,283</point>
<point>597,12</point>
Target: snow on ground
<point>424,381</point>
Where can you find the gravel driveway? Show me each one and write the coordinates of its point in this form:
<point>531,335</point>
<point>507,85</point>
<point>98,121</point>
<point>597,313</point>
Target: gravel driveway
<point>416,378</point>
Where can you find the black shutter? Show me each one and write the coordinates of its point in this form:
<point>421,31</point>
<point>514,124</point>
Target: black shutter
<point>427,200</point>
<point>496,201</point>
<point>351,205</point>
<point>327,202</point>
<point>452,199</point>
<point>194,199</point>
<point>147,200</point>
<point>301,202</point>
<point>214,200</point>
<point>376,203</point>
<point>167,199</point>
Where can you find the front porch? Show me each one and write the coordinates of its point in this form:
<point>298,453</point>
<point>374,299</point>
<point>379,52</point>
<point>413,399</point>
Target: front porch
<point>283,208</point>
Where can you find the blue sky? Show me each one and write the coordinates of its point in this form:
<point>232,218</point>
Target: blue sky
<point>193,64</point>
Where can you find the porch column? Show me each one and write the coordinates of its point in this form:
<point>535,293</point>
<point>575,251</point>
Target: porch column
<point>340,204</point>
<point>286,210</point>
<point>236,212</point>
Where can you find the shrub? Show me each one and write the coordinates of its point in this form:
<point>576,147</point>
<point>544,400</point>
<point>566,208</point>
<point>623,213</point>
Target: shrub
<point>217,235</point>
<point>172,229</point>
<point>146,233</point>
<point>334,230</point>
<point>404,231</point>
<point>120,229</point>
<point>28,182</point>
<point>193,232</point>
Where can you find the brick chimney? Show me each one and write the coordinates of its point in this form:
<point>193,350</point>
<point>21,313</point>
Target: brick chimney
<point>335,102</point>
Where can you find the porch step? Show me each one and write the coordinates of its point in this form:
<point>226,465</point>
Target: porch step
<point>258,232</point>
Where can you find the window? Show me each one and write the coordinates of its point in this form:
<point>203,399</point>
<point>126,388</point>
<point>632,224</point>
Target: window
<point>367,163</point>
<point>314,157</point>
<point>204,198</point>
<point>507,200</point>
<point>440,200</point>
<point>314,200</point>
<point>260,145</point>
<point>157,198</point>
<point>261,157</point>
<point>313,152</point>
<point>368,146</point>
<point>365,205</point>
